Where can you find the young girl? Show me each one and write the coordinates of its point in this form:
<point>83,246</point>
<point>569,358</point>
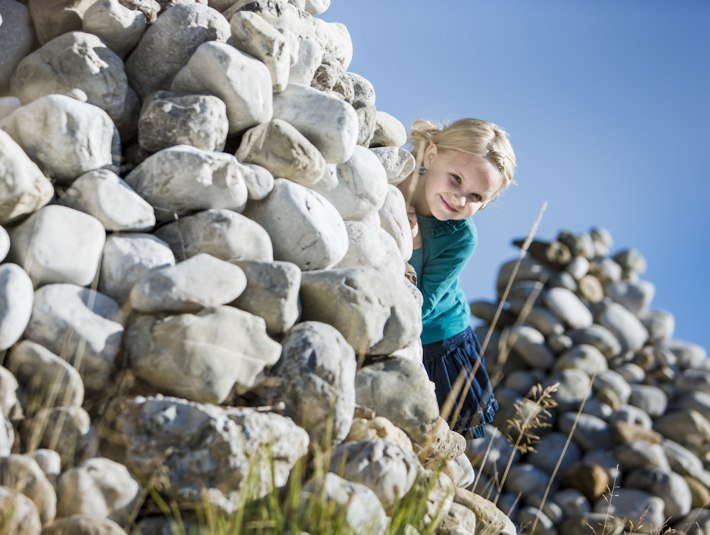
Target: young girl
<point>463,167</point>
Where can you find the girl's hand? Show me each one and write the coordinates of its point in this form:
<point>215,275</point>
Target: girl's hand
<point>414,226</point>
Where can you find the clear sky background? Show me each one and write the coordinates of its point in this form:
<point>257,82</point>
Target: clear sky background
<point>607,103</point>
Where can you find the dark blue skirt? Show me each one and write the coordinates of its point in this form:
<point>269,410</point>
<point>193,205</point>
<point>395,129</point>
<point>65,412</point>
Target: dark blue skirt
<point>444,362</point>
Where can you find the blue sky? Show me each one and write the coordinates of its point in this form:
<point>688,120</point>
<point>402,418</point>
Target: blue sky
<point>607,103</point>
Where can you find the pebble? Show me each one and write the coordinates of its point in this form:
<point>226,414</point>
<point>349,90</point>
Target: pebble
<point>398,163</point>
<point>632,415</point>
<point>377,315</point>
<point>16,294</point>
<point>309,58</point>
<point>582,357</point>
<point>670,487</point>
<point>640,454</point>
<point>326,121</point>
<point>22,474</point>
<point>304,227</point>
<point>529,344</point>
<point>59,245</point>
<point>567,307</point>
<point>199,282</point>
<point>62,153</point>
<point>635,296</point>
<point>283,151</point>
<point>370,246</point>
<point>15,40</point>
<point>631,260</point>
<point>315,378</point>
<point>526,479</point>
<point>167,352</point>
<point>115,24</point>
<point>47,380</point>
<point>105,196</point>
<point>18,512</point>
<point>271,293</point>
<point>79,60</point>
<point>573,387</point>
<point>99,487</point>
<point>162,52</point>
<point>66,430</point>
<point>223,438</point>
<point>398,389</point>
<point>182,179</point>
<point>81,326</point>
<point>591,479</point>
<point>127,258</point>
<point>591,432</point>
<point>389,131</point>
<point>169,119</point>
<point>51,18</point>
<point>385,468</point>
<point>362,510</point>
<point>221,233</point>
<point>361,188</point>
<point>259,181</point>
<point>651,399</point>
<point>394,221</point>
<point>253,35</point>
<point>247,104</point>
<point>4,243</point>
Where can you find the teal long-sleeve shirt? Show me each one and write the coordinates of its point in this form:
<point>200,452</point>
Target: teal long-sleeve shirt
<point>447,246</point>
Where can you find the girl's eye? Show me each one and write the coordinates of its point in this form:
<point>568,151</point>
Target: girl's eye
<point>457,179</point>
<point>474,197</point>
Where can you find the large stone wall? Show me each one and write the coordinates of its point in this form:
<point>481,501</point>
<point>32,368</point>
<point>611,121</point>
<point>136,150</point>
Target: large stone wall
<point>203,255</point>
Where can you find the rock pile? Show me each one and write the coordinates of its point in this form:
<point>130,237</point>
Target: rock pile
<point>634,400</point>
<point>202,254</point>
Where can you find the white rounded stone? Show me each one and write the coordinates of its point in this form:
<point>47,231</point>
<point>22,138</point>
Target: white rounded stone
<point>224,234</point>
<point>65,137</point>
<point>198,282</point>
<point>117,26</point>
<point>129,257</point>
<point>23,186</point>
<point>16,294</point>
<point>394,221</point>
<point>81,326</point>
<point>304,227</point>
<point>330,123</point>
<point>241,81</point>
<point>59,244</point>
<point>162,51</point>
<point>107,197</point>
<point>362,186</point>
<point>183,179</point>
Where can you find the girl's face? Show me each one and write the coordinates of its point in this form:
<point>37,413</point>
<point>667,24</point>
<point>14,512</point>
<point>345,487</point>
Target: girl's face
<point>456,185</point>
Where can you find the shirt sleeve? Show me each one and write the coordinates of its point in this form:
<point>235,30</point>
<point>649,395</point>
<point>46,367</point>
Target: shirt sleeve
<point>440,271</point>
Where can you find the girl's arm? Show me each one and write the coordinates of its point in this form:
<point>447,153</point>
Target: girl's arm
<point>441,270</point>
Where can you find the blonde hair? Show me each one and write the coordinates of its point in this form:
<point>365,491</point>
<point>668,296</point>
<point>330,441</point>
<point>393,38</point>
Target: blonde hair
<point>472,136</point>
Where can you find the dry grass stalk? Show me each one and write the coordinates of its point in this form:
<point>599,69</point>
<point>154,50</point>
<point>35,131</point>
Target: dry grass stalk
<point>542,397</point>
<point>524,424</point>
<point>564,451</point>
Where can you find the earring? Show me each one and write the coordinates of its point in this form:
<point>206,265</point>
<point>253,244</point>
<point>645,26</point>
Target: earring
<point>422,170</point>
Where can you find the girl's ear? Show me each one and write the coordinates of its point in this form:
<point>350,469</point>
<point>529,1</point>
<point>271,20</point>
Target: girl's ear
<point>429,154</point>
